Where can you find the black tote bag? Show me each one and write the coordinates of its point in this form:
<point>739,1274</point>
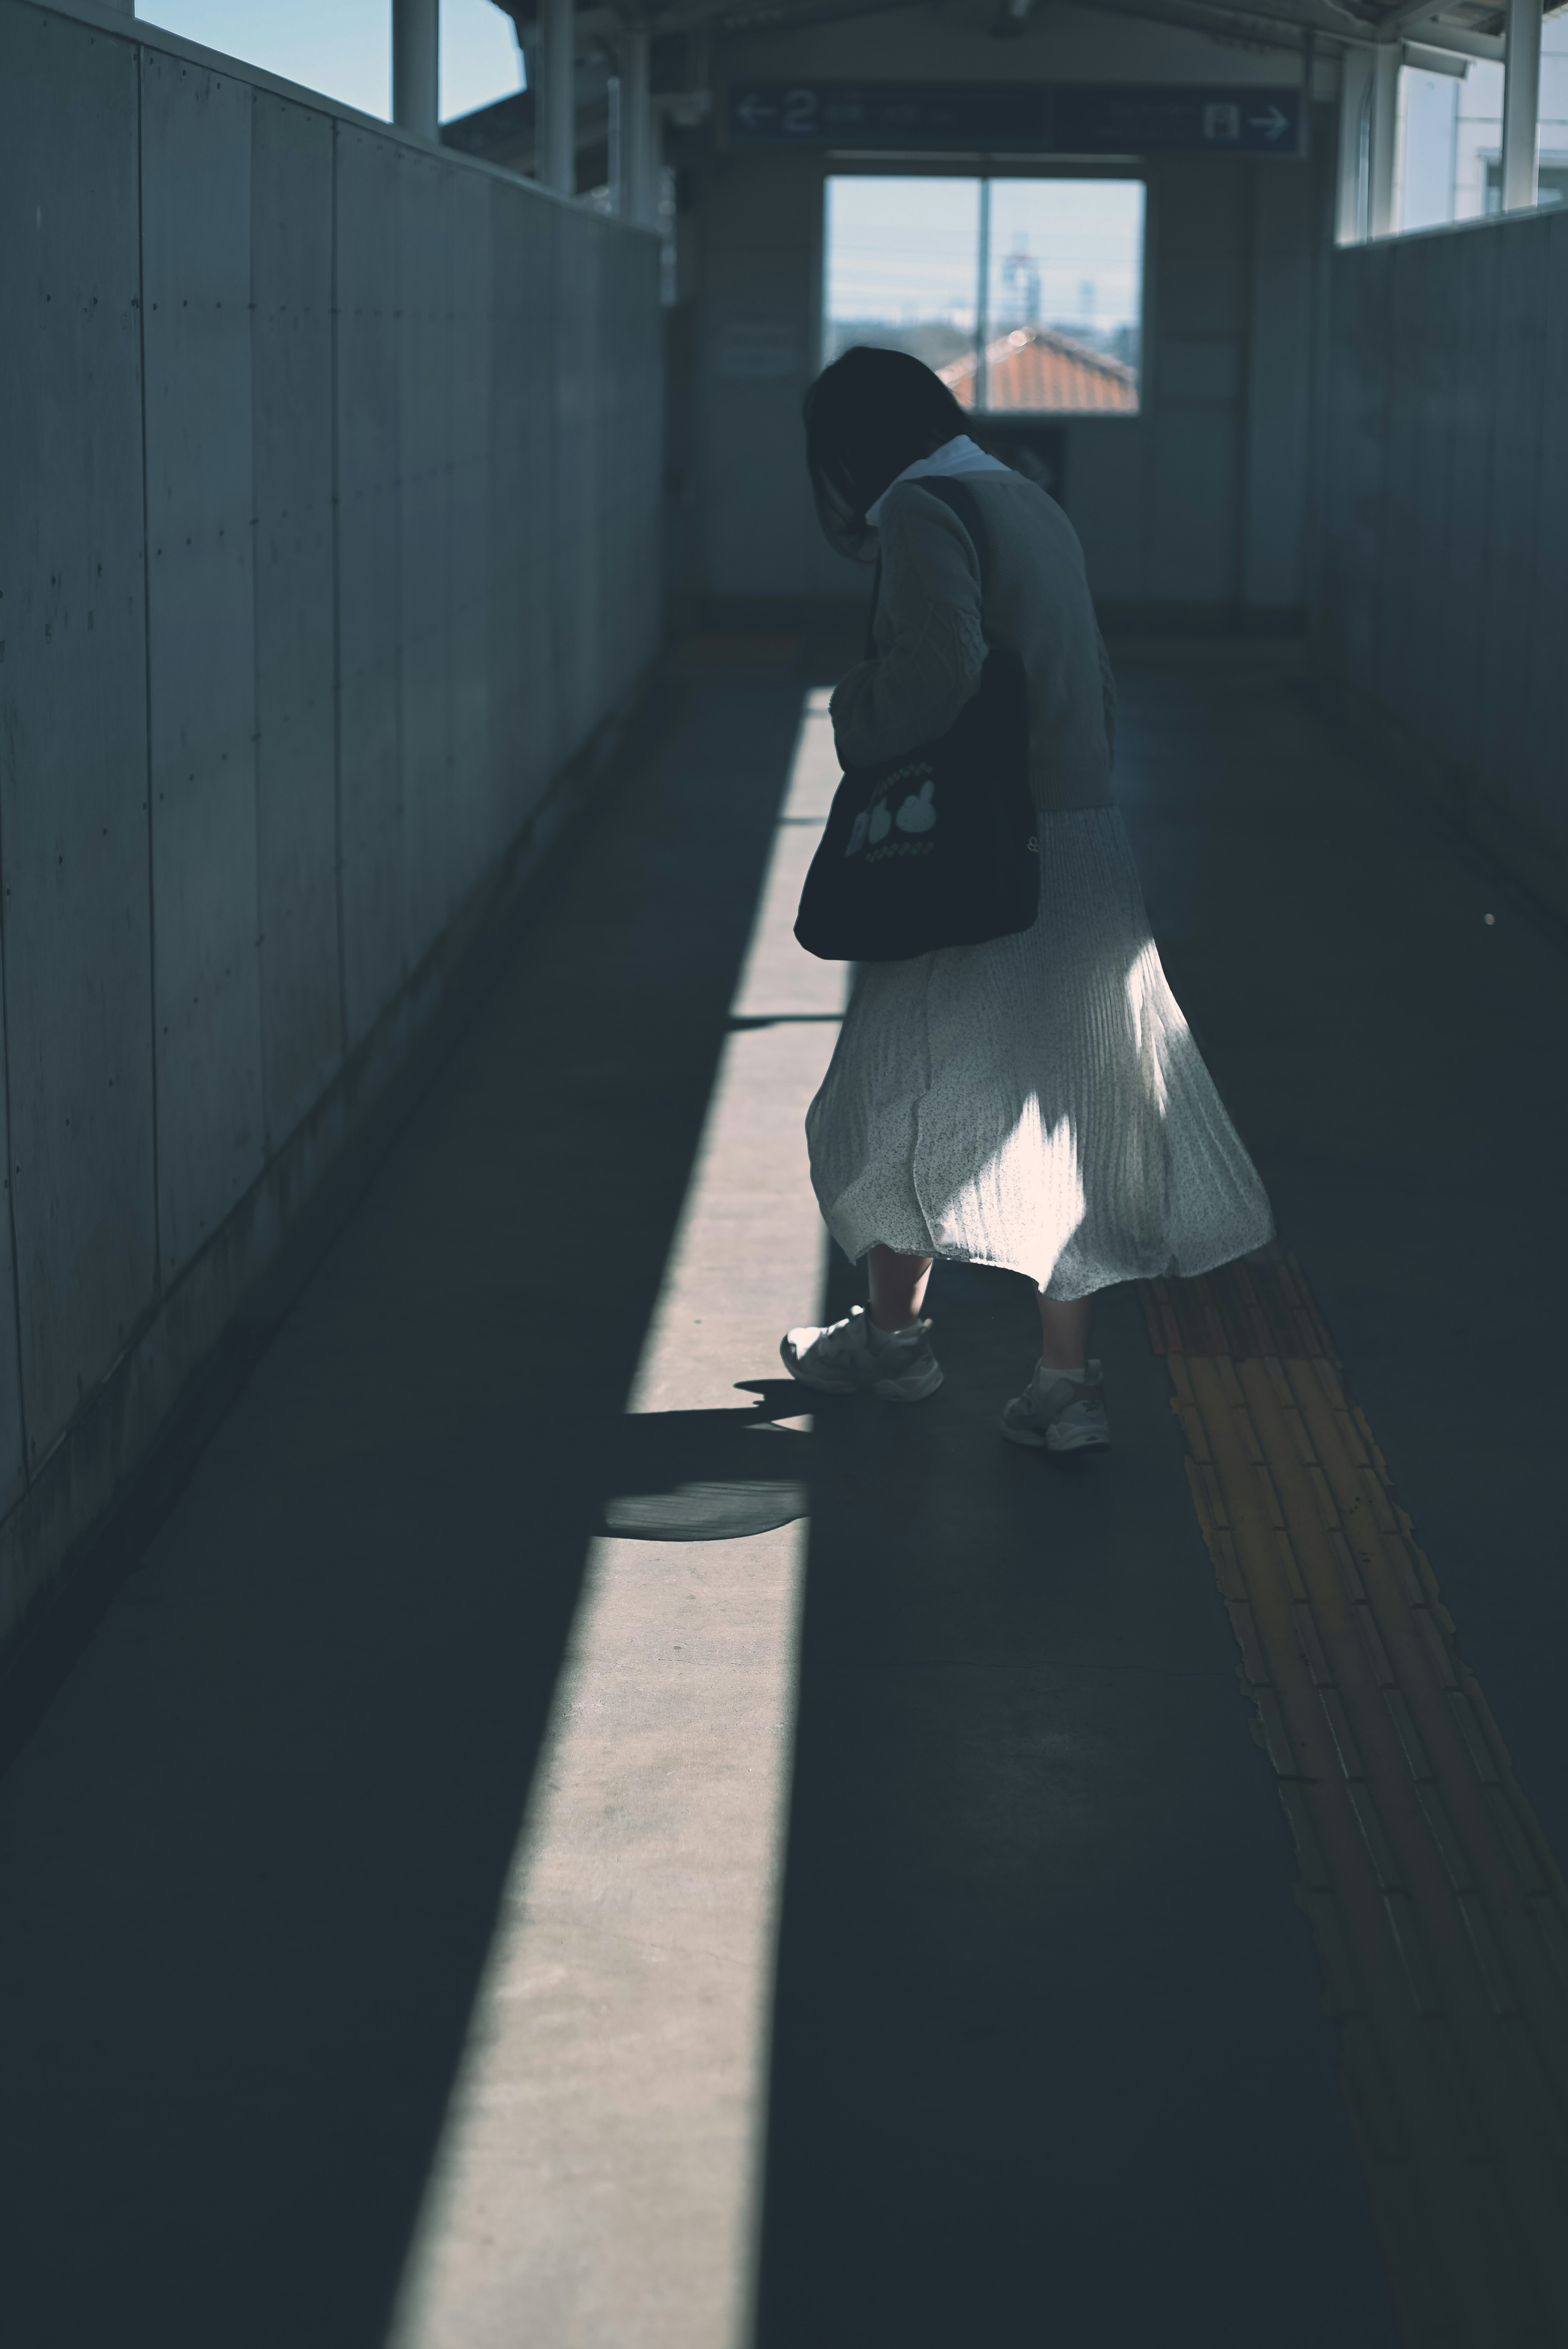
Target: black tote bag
<point>939,847</point>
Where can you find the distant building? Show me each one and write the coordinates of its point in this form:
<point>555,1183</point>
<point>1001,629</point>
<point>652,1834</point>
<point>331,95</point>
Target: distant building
<point>1042,369</point>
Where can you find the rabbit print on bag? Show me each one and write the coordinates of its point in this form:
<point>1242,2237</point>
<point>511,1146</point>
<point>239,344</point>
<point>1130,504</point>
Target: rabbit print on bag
<point>919,814</point>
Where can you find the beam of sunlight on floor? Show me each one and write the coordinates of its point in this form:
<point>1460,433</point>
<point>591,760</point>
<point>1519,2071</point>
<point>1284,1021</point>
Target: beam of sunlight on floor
<point>597,2182</point>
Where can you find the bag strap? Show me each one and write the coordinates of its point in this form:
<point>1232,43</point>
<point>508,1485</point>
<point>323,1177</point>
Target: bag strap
<point>961,500</point>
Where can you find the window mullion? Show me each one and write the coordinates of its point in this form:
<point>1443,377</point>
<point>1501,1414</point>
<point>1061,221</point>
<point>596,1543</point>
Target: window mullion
<point>983,302</point>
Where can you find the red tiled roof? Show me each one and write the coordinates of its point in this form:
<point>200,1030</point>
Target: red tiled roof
<point>1040,368</point>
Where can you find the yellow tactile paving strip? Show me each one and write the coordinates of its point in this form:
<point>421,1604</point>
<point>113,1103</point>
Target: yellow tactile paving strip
<point>1440,1916</point>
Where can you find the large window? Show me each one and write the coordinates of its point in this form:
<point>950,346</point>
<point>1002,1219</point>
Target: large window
<point>1449,156</point>
<point>1024,294</point>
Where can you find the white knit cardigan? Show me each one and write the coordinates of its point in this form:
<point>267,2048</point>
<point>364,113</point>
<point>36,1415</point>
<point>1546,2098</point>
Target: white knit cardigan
<point>932,628</point>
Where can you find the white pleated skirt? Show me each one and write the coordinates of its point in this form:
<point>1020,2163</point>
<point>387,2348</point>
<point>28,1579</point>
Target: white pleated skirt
<point>1037,1101</point>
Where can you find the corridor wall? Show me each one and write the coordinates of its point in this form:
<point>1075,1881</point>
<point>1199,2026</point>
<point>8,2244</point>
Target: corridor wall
<point>1442,598</point>
<point>328,539</point>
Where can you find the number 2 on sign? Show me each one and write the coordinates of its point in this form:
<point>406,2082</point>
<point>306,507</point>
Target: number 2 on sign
<point>800,110</point>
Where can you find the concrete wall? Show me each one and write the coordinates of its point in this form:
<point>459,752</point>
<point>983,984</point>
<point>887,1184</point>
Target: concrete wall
<point>1442,607</point>
<point>328,535</point>
<point>1197,506</point>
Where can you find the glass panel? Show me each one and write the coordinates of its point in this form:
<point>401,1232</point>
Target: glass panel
<point>1448,162</point>
<point>1477,133</point>
<point>900,267</point>
<point>1064,295</point>
<point>1427,147</point>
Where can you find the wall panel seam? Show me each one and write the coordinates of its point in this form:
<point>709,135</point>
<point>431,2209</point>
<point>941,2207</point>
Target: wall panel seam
<point>338,612</point>
<point>1378,582</point>
<point>11,1170</point>
<point>1515,753</point>
<point>399,645</point>
<point>147,659</point>
<point>1246,398</point>
<point>269,1143</point>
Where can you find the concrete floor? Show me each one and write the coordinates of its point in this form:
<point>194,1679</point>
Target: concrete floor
<point>394,1688</point>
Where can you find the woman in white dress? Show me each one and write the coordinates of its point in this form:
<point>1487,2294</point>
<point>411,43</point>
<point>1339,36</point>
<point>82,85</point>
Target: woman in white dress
<point>1036,1102</point>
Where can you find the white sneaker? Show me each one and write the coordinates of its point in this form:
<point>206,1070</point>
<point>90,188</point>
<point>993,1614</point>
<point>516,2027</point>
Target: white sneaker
<point>1060,1415</point>
<point>844,1357</point>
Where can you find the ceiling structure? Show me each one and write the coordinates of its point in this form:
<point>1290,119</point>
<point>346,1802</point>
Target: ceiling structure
<point>689,37</point>
<point>1472,28</point>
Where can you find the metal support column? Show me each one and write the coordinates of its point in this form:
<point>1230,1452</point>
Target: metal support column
<point>1355,107</point>
<point>416,66</point>
<point>556,119</point>
<point>1386,62</point>
<point>1521,104</point>
<point>637,193</point>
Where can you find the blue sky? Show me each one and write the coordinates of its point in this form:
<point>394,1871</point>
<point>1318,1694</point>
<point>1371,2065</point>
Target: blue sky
<point>344,47</point>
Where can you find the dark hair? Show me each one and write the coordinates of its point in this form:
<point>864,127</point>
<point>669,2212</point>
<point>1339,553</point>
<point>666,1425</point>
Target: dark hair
<point>867,416</point>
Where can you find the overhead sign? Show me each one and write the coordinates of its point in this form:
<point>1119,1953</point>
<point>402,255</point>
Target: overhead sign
<point>1015,117</point>
<point>1111,121</point>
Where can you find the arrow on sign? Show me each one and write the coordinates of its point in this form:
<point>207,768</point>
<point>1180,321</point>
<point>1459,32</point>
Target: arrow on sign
<point>753,112</point>
<point>1273,124</point>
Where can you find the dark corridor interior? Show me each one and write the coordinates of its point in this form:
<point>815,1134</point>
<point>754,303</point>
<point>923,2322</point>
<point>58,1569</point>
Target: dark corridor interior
<point>1050,2057</point>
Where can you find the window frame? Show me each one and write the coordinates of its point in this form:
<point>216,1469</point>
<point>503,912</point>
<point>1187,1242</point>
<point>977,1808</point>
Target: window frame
<point>864,164</point>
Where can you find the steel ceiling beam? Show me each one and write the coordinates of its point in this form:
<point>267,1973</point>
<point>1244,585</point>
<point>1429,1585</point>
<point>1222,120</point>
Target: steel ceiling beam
<point>1275,24</point>
<point>1269,29</point>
